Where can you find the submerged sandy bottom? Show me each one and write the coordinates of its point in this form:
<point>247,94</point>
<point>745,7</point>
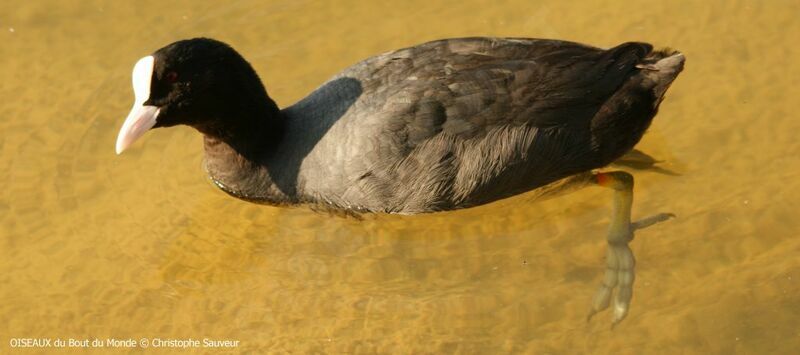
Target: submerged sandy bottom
<point>141,246</point>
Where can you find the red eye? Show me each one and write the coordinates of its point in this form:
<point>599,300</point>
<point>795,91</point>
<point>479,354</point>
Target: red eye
<point>171,77</point>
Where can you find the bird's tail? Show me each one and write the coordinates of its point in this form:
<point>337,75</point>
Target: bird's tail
<point>660,68</point>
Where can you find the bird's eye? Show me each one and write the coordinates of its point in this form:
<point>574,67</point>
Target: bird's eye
<point>171,77</point>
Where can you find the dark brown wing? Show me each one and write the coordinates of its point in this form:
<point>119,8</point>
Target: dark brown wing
<point>468,86</point>
<point>510,112</point>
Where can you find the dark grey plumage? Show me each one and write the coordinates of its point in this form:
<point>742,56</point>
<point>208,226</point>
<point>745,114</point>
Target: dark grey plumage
<point>443,125</point>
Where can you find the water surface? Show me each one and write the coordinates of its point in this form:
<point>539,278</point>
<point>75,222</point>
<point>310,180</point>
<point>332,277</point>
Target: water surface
<point>93,245</point>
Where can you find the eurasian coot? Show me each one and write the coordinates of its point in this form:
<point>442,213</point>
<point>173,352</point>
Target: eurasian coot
<point>443,125</point>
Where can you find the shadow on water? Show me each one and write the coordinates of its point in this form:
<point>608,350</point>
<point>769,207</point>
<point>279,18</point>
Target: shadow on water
<point>638,160</point>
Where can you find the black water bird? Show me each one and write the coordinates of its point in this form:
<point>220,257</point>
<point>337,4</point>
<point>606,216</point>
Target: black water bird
<point>443,125</point>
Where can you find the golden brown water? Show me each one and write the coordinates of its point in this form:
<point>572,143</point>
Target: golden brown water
<point>141,246</point>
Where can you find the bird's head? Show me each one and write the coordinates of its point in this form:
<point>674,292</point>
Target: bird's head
<point>197,82</point>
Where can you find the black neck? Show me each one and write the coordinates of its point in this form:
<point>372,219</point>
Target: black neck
<point>238,146</point>
<point>250,127</point>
